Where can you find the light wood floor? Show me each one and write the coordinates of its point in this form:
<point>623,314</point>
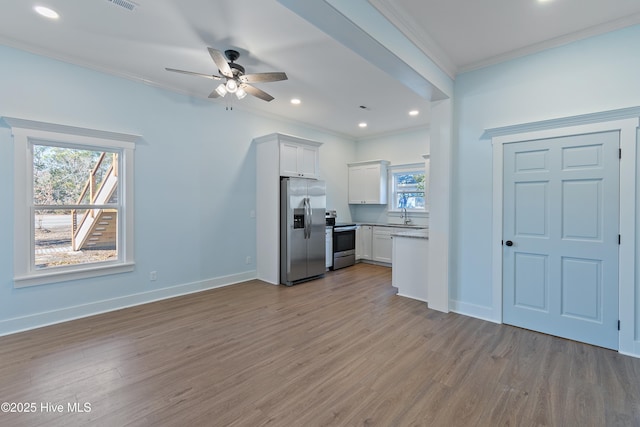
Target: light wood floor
<point>340,351</point>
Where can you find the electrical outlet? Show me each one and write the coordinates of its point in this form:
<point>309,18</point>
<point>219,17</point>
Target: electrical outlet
<point>153,276</point>
<point>248,260</point>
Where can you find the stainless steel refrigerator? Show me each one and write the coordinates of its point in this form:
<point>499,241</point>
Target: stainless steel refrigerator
<point>302,229</point>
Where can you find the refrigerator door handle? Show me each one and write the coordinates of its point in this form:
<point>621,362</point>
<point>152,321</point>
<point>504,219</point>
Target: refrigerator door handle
<point>310,215</point>
<point>306,218</point>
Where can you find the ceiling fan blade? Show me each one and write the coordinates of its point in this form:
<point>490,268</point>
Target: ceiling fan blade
<point>221,62</point>
<point>208,76</point>
<point>258,93</point>
<point>263,77</point>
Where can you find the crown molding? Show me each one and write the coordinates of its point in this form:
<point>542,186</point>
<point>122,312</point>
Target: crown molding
<point>596,30</point>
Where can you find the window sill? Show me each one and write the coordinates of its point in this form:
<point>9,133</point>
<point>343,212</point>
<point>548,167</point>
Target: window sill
<point>47,277</point>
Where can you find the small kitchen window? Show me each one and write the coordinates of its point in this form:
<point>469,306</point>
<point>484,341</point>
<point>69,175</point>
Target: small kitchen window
<point>73,204</point>
<point>408,188</point>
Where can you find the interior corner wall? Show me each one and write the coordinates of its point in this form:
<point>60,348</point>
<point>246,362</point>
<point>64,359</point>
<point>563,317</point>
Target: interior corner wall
<point>194,185</point>
<point>587,76</point>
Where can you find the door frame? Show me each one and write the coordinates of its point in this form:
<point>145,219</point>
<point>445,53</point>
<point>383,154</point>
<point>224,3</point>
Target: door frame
<point>625,121</point>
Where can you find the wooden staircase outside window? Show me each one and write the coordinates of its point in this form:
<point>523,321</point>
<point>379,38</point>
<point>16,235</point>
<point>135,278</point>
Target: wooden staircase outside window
<point>97,228</point>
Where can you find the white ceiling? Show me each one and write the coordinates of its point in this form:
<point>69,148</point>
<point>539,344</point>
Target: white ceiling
<point>331,80</point>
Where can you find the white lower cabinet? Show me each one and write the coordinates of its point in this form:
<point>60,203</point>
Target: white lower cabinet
<point>363,242</point>
<point>374,243</point>
<point>382,244</point>
<point>329,247</point>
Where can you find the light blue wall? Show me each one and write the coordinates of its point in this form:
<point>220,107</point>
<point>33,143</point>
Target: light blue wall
<point>596,74</point>
<point>194,182</point>
<point>399,148</point>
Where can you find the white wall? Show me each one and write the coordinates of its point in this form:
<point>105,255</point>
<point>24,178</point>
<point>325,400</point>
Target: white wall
<point>399,148</point>
<point>597,74</point>
<point>194,184</point>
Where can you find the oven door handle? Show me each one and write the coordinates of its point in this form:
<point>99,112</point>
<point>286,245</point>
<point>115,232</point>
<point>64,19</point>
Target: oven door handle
<point>342,229</point>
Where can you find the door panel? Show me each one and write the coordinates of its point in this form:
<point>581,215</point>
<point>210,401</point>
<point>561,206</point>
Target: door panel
<point>531,281</point>
<point>561,203</point>
<point>532,209</point>
<point>581,288</point>
<point>581,210</point>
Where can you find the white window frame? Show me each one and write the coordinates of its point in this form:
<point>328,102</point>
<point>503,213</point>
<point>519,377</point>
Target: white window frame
<point>27,133</point>
<point>413,167</point>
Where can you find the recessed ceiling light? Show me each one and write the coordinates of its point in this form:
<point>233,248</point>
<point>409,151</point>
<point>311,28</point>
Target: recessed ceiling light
<point>362,125</point>
<point>46,12</point>
<point>414,112</point>
<point>295,101</point>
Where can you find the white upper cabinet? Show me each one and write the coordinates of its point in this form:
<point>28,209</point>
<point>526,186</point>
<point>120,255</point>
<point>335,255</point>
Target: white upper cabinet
<point>299,158</point>
<point>368,182</point>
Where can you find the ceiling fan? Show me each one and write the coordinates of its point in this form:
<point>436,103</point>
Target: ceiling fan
<point>235,80</point>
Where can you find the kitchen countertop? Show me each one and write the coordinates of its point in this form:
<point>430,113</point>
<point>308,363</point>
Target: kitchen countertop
<point>410,226</point>
<point>415,234</point>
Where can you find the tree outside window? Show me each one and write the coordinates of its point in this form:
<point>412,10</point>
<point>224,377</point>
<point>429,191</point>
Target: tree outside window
<point>408,188</point>
<point>75,194</point>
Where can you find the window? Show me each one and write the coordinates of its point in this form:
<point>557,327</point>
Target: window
<point>408,188</point>
<point>73,202</point>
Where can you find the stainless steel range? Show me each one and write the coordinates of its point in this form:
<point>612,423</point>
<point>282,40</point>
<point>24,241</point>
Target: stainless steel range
<point>344,241</point>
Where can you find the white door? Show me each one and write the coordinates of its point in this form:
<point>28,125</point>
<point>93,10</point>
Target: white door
<point>560,247</point>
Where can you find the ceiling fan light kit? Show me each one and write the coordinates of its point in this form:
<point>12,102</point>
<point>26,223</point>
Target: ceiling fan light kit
<point>236,81</point>
<point>221,90</point>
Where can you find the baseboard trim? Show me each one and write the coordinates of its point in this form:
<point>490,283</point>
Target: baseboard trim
<point>473,310</point>
<point>39,320</point>
<point>412,297</point>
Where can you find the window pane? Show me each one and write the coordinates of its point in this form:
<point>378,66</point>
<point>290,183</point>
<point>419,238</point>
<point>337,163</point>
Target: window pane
<point>64,176</point>
<point>410,200</point>
<point>63,237</point>
<point>409,190</point>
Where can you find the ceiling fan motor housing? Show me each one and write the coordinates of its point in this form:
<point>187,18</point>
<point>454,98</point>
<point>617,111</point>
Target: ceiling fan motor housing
<point>236,69</point>
<point>232,55</point>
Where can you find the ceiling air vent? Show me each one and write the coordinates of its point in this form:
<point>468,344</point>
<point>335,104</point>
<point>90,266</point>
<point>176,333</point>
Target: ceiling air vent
<point>129,5</point>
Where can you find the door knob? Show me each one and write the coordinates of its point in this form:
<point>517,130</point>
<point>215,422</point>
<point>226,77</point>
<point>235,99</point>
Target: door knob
<point>508,243</point>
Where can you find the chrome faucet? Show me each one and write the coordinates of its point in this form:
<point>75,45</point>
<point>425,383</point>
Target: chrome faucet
<point>406,218</point>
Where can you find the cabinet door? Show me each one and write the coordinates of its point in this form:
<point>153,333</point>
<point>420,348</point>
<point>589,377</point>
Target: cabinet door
<point>288,159</point>
<point>308,161</point>
<point>382,250</point>
<point>298,160</point>
<point>363,242</point>
<point>372,186</point>
<point>367,184</point>
<point>356,184</point>
<point>366,242</point>
<point>329,247</point>
<point>382,244</point>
